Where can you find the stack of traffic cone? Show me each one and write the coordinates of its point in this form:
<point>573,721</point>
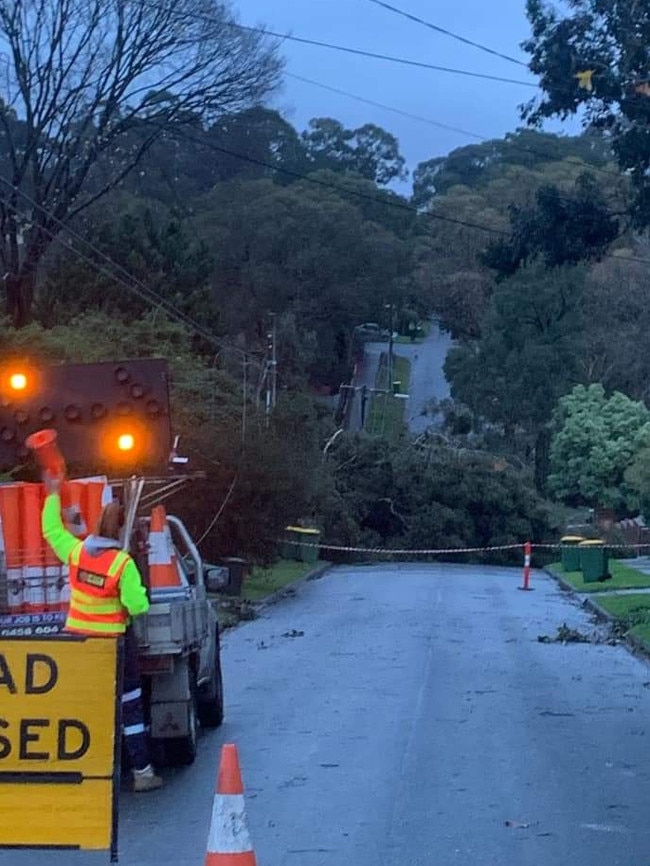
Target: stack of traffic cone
<point>229,843</point>
<point>164,570</point>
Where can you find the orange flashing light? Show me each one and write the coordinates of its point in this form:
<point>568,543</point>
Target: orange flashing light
<point>18,382</point>
<point>126,442</point>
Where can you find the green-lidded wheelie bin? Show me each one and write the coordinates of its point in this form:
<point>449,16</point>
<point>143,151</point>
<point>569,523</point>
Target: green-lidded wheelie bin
<point>297,544</point>
<point>290,549</point>
<point>593,561</point>
<point>570,552</point>
<point>308,551</point>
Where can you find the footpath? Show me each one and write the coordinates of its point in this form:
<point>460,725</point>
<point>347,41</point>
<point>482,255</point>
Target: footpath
<point>623,601</point>
<point>263,587</point>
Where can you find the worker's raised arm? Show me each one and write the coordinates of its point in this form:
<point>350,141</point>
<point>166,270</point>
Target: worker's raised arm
<point>57,536</point>
<point>133,595</point>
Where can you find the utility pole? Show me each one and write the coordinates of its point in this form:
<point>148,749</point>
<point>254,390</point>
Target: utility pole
<point>271,371</point>
<point>244,401</point>
<point>274,363</point>
<point>390,345</point>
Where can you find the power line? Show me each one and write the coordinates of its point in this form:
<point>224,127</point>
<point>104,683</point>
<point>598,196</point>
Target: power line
<point>339,188</point>
<point>400,60</point>
<point>382,105</point>
<point>263,31</point>
<point>439,125</point>
<point>446,32</point>
<point>359,52</point>
<point>364,196</point>
<point>150,296</point>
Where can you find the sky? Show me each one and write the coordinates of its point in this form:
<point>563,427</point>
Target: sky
<point>486,108</point>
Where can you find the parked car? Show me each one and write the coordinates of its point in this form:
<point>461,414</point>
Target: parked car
<point>372,331</point>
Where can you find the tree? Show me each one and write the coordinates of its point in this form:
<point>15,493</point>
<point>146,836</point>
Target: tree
<point>80,79</point>
<point>369,151</point>
<point>594,62</point>
<point>597,439</point>
<point>304,250</point>
<point>560,229</point>
<point>381,494</point>
<point>617,326</point>
<point>149,241</point>
<point>527,357</point>
<point>254,143</point>
<point>477,165</point>
<point>522,186</point>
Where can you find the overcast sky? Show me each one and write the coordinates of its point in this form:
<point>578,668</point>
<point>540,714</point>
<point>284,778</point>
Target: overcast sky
<point>488,108</point>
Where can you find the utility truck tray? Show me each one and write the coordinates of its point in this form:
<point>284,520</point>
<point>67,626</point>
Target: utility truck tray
<point>172,628</point>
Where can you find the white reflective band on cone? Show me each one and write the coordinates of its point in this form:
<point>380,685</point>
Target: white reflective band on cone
<point>159,552</point>
<point>527,560</point>
<point>228,830</point>
<point>131,730</point>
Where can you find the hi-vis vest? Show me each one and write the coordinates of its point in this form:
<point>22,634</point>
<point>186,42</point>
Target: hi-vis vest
<point>95,606</point>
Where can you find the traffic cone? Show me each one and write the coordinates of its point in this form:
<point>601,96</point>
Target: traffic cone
<point>44,445</point>
<point>33,550</point>
<point>164,571</point>
<point>229,843</point>
<point>11,514</point>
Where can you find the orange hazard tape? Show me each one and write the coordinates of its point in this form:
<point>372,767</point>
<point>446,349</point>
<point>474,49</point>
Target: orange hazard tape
<point>403,552</point>
<point>444,550</point>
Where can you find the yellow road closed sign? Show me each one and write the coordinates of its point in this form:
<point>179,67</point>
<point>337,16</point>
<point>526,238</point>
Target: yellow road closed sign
<point>58,743</point>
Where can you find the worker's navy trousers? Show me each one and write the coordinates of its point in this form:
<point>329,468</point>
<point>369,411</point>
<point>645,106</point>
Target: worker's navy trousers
<point>133,725</point>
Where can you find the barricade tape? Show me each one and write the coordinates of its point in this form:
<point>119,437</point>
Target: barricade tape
<point>402,552</point>
<point>382,551</point>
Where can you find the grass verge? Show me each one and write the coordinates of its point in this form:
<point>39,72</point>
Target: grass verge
<point>632,613</point>
<point>265,581</point>
<point>642,634</point>
<point>258,585</point>
<point>386,416</point>
<point>632,609</point>
<point>623,577</point>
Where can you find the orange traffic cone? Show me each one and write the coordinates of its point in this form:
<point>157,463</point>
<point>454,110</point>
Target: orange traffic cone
<point>164,571</point>
<point>229,843</point>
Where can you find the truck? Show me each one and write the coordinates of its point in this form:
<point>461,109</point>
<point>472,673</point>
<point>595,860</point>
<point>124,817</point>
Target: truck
<point>114,420</point>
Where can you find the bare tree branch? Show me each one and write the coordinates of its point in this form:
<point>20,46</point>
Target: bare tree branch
<point>97,82</point>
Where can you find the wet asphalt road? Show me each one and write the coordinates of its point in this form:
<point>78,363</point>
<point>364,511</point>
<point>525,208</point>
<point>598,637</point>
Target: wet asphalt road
<point>367,375</point>
<point>415,716</point>
<point>428,380</point>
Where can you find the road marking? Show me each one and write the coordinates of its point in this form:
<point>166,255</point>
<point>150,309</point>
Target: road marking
<point>605,828</point>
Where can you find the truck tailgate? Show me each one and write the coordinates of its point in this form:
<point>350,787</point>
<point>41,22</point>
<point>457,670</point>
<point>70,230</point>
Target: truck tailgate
<point>171,628</point>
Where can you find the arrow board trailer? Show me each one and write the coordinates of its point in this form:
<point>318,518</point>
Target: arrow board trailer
<point>59,748</point>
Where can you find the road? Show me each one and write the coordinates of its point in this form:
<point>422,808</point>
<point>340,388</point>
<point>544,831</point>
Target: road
<point>366,375</point>
<point>408,718</point>
<point>427,376</point>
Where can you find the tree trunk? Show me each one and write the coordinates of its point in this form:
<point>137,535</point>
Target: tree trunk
<point>19,290</point>
<point>542,458</point>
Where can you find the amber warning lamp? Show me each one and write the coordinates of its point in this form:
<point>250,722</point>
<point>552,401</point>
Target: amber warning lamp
<point>125,443</point>
<point>18,382</point>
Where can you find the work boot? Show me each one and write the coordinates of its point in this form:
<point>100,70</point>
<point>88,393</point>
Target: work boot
<point>146,780</point>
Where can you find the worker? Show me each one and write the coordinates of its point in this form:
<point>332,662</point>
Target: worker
<point>106,590</point>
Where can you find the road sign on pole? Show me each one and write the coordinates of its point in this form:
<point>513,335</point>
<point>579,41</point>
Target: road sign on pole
<point>59,743</point>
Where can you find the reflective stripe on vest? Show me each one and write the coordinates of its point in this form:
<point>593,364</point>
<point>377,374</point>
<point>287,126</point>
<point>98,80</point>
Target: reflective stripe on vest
<point>95,606</point>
